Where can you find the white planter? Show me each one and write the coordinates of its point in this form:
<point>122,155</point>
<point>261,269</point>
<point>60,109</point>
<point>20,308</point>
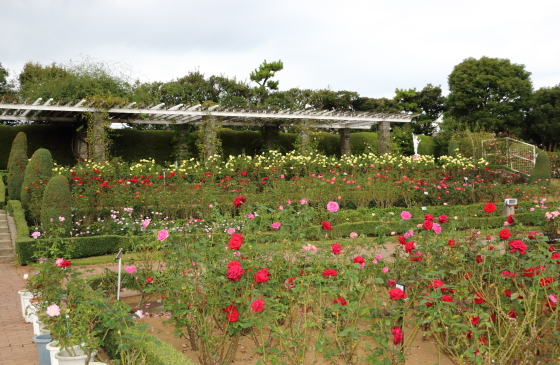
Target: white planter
<point>53,348</point>
<point>64,358</point>
<point>36,324</point>
<point>21,293</point>
<point>25,305</point>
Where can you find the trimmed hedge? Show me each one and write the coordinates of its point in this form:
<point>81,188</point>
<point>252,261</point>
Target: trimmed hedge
<point>79,246</point>
<point>56,203</point>
<point>2,193</point>
<point>16,211</point>
<point>155,351</point>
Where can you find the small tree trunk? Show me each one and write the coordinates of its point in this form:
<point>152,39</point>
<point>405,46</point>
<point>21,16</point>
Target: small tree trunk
<point>384,138</point>
<point>210,138</point>
<point>304,136</point>
<point>345,147</point>
<point>98,139</point>
<point>182,145</point>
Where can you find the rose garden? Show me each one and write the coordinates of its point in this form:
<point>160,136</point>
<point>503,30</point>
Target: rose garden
<point>302,258</point>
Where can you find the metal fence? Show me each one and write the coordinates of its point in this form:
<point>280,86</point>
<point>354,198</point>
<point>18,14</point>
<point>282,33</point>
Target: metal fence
<point>518,156</point>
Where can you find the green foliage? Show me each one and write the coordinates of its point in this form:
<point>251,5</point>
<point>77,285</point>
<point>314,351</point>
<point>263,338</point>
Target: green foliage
<point>2,193</point>
<point>55,208</point>
<point>429,102</point>
<point>453,148</point>
<point>18,163</point>
<point>37,173</point>
<point>543,121</point>
<point>262,76</point>
<point>56,138</point>
<point>541,172</point>
<point>489,93</point>
<point>79,247</point>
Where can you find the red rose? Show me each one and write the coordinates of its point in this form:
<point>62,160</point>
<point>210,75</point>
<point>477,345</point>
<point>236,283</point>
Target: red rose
<point>483,340</point>
<point>555,256</point>
<point>401,240</point>
<point>239,200</point>
<point>546,281</point>
<point>451,243</point>
<point>336,248</point>
<point>505,234</point>
<point>235,241</point>
<point>429,217</point>
<point>479,298</point>
<point>149,280</point>
<point>330,272</point>
<point>489,207</point>
<point>235,270</point>
<point>447,298</point>
<point>510,219</point>
<point>475,320</point>
<point>507,293</point>
<point>428,301</point>
<point>508,274</point>
<point>436,284</point>
<point>479,258</point>
<point>262,276</point>
<point>257,305</point>
<point>397,335</point>
<point>518,246</point>
<point>409,246</point>
<point>428,225</point>
<point>442,219</point>
<point>531,271</point>
<point>396,294</point>
<point>231,313</point>
<point>340,300</point>
<point>326,226</point>
<point>416,257</point>
<point>359,260</point>
<point>512,313</point>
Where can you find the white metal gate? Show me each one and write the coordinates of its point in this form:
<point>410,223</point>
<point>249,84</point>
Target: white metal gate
<point>518,156</point>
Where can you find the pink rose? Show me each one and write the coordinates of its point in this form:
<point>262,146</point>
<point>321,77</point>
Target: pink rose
<point>332,207</point>
<point>130,269</point>
<point>162,235</point>
<point>53,310</point>
<point>276,225</point>
<point>406,215</point>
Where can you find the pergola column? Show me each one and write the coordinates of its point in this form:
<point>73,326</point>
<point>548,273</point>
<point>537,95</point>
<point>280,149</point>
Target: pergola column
<point>345,147</point>
<point>97,137</point>
<point>384,137</point>
<point>304,137</point>
<point>210,137</point>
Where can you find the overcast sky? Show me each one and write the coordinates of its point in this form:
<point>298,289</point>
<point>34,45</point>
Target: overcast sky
<point>368,46</point>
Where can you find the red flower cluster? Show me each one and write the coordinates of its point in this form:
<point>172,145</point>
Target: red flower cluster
<point>546,281</point>
<point>443,219</point>
<point>340,300</point>
<point>235,241</point>
<point>262,276</point>
<point>416,257</point>
<point>330,272</point>
<point>397,335</point>
<point>231,312</point>
<point>479,297</point>
<point>429,217</point>
<point>505,234</point>
<point>63,263</point>
<point>359,260</point>
<point>235,270</point>
<point>396,294</point>
<point>326,226</point>
<point>530,272</point>
<point>518,246</point>
<point>239,200</point>
<point>428,225</point>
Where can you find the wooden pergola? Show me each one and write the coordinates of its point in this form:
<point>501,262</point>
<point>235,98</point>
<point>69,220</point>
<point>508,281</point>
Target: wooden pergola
<point>72,111</point>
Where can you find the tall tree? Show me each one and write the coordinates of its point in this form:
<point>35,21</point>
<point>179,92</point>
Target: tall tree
<point>489,93</point>
<point>429,102</point>
<point>543,121</point>
<point>262,76</point>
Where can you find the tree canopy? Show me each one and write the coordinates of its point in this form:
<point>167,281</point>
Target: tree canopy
<point>489,93</point>
<point>543,121</point>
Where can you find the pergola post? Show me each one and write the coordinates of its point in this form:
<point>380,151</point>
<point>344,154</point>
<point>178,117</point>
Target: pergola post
<point>303,137</point>
<point>97,137</point>
<point>384,137</point>
<point>182,142</point>
<point>345,147</point>
<point>210,137</point>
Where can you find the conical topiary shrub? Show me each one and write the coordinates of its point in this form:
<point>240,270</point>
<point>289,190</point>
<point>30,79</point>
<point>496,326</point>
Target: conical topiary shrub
<point>17,161</point>
<point>19,143</point>
<point>541,172</point>
<point>453,149</point>
<point>55,208</point>
<point>37,174</point>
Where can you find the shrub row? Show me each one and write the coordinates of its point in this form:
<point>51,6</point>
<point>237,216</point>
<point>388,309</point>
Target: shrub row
<point>79,246</point>
<point>2,193</point>
<point>16,211</point>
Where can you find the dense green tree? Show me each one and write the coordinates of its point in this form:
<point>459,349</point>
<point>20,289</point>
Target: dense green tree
<point>17,162</point>
<point>262,77</point>
<point>429,102</point>
<point>381,105</point>
<point>543,121</point>
<point>5,87</point>
<point>37,174</point>
<point>490,93</point>
<point>55,209</point>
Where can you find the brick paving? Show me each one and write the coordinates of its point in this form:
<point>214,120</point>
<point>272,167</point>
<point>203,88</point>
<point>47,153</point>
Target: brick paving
<point>16,344</point>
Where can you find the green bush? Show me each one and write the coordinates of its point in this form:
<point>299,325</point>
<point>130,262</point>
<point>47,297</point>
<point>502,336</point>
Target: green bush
<point>37,173</point>
<point>427,146</point>
<point>541,171</point>
<point>78,246</point>
<point>56,204</point>
<point>18,144</point>
<point>453,148</point>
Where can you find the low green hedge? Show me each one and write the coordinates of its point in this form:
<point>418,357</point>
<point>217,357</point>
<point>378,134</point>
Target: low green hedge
<point>146,347</point>
<point>16,211</point>
<point>79,246</point>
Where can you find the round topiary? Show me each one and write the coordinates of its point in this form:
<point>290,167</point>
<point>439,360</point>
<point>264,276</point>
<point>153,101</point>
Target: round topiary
<point>453,149</point>
<point>55,208</point>
<point>17,163</point>
<point>541,172</point>
<point>20,144</point>
<point>37,174</point>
